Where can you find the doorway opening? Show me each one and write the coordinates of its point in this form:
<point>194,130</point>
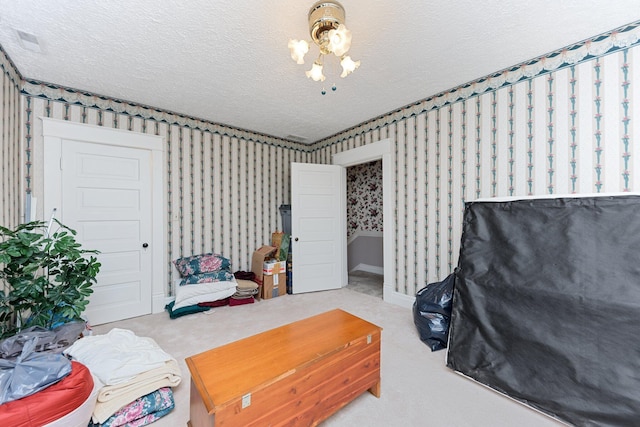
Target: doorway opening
<point>378,151</point>
<point>364,228</point>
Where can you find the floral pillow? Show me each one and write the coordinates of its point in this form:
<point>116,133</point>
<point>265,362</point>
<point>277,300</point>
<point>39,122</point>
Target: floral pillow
<point>204,263</point>
<point>214,276</point>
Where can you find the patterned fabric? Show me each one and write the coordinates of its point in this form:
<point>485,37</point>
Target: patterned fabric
<point>204,263</point>
<point>214,276</point>
<point>364,193</point>
<point>142,411</point>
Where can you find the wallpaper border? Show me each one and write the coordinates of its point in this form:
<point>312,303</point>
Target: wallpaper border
<point>10,69</point>
<point>597,46</point>
<point>620,38</point>
<point>55,92</point>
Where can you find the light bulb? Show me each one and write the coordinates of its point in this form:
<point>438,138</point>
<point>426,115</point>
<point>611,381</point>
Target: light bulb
<point>348,66</point>
<point>315,73</point>
<point>298,49</point>
<point>339,40</point>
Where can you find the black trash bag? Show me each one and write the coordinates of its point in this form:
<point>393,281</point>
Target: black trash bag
<point>432,312</point>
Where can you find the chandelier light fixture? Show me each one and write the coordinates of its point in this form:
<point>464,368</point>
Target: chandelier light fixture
<point>329,33</point>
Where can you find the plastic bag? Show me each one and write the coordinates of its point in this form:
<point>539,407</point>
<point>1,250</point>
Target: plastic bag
<point>50,340</point>
<point>30,372</point>
<point>284,247</point>
<point>432,312</point>
<point>280,241</point>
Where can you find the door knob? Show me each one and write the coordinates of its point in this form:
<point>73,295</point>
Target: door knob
<point>145,245</point>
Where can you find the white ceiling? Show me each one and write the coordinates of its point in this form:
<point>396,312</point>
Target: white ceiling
<point>227,61</point>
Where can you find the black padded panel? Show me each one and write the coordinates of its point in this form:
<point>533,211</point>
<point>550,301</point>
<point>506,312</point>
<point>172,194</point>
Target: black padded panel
<point>547,305</point>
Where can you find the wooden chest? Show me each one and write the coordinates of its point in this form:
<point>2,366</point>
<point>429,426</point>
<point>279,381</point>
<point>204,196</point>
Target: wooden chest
<point>295,375</point>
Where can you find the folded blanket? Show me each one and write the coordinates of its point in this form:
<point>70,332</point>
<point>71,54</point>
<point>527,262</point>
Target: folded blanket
<point>190,309</point>
<point>142,411</point>
<point>218,303</point>
<point>244,275</point>
<point>118,356</point>
<point>233,301</point>
<point>203,292</point>
<point>112,398</point>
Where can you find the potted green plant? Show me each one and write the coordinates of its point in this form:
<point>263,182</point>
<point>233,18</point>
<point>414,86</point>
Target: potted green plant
<point>47,277</point>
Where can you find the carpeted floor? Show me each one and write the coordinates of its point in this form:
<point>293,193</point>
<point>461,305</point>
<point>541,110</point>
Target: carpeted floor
<point>366,283</point>
<point>417,388</point>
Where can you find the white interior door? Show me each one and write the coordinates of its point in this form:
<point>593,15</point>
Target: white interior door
<point>106,198</point>
<point>108,184</point>
<point>318,230</point>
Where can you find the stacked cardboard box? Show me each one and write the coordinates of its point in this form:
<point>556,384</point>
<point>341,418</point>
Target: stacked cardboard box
<point>275,285</point>
<point>271,273</point>
<point>274,267</point>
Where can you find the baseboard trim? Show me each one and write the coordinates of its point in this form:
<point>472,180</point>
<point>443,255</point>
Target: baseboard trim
<point>397,298</point>
<point>368,268</point>
<point>364,233</point>
<point>159,302</point>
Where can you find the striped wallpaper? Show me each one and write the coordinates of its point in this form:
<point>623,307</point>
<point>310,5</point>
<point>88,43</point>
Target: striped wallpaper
<point>223,190</point>
<point>562,123</point>
<point>10,148</point>
<point>538,129</point>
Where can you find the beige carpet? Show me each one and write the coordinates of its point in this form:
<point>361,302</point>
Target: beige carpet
<point>366,283</point>
<point>417,388</point>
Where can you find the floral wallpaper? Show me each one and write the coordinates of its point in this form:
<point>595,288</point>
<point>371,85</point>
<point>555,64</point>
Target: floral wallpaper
<point>364,197</point>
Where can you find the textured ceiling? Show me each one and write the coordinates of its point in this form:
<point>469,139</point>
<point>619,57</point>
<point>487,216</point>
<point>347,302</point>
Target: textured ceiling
<point>227,61</point>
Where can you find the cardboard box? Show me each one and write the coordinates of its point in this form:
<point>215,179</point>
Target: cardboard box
<point>274,267</point>
<point>258,258</point>
<point>274,285</point>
